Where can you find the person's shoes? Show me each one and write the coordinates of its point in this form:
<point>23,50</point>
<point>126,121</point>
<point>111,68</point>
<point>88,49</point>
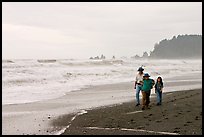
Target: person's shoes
<point>137,104</point>
<point>158,104</point>
<point>143,108</point>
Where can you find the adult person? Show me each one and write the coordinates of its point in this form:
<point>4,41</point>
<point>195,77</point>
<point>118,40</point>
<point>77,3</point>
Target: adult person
<point>146,90</point>
<point>138,84</point>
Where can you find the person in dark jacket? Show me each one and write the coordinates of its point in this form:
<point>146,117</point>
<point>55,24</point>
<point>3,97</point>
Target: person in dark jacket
<point>158,90</point>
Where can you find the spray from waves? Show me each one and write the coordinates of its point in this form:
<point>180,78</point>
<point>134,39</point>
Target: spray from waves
<point>91,62</point>
<point>38,81</point>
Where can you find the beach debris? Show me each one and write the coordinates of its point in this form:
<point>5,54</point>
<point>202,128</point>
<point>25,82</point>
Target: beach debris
<point>134,112</point>
<point>134,130</point>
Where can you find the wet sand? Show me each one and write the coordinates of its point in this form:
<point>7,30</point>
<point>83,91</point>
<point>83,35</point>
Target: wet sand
<point>179,114</point>
<point>50,116</point>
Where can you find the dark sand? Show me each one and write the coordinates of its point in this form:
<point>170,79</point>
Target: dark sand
<point>180,113</point>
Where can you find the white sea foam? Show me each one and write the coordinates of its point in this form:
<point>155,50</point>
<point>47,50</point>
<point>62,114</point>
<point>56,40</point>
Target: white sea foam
<point>30,80</point>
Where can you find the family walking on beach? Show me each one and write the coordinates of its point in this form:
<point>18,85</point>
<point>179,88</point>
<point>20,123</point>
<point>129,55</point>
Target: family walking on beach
<point>144,84</point>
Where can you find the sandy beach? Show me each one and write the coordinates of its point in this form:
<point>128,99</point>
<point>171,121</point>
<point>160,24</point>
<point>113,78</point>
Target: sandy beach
<point>106,106</point>
<point>180,114</point>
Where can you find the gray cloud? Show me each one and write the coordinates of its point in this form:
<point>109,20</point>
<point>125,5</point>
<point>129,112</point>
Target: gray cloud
<point>80,30</point>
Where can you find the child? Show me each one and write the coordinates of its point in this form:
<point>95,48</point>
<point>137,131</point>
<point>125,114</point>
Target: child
<point>146,89</point>
<point>158,90</point>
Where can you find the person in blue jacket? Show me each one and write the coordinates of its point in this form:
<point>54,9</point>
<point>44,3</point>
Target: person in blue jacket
<point>146,90</point>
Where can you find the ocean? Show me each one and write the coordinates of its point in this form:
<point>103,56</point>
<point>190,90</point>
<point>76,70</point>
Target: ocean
<point>25,81</point>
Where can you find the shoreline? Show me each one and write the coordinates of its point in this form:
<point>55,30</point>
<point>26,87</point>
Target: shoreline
<point>180,114</point>
<point>41,114</point>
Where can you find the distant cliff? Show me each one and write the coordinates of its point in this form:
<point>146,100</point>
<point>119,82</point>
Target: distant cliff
<point>182,46</point>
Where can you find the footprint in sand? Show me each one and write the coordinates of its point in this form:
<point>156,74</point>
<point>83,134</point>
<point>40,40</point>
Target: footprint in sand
<point>140,127</point>
<point>158,121</point>
<point>176,128</point>
<point>175,115</point>
<point>188,122</point>
<point>150,114</point>
<point>185,125</point>
<point>147,124</point>
<point>196,118</point>
<point>176,131</point>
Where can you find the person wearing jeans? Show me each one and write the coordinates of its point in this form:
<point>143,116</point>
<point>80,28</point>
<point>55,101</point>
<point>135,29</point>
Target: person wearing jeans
<point>138,85</point>
<point>158,90</point>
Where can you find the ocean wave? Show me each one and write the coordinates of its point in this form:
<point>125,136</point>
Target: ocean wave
<point>29,77</point>
<point>92,63</point>
<point>7,61</point>
<point>46,60</point>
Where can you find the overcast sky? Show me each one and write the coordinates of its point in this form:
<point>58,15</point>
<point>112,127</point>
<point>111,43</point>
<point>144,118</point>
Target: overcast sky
<point>81,30</point>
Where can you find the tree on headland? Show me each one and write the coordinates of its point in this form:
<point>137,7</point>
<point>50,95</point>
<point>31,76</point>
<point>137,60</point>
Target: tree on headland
<point>136,57</point>
<point>145,55</point>
<point>182,46</point>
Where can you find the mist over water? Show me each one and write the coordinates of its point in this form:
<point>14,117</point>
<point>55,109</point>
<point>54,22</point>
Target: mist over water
<point>35,80</point>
